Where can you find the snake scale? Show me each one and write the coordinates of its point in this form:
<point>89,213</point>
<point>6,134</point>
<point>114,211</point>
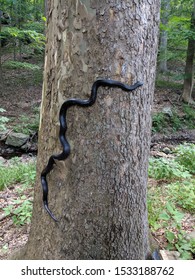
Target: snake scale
<point>63,128</point>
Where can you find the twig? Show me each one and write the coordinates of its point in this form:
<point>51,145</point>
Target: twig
<point>3,216</point>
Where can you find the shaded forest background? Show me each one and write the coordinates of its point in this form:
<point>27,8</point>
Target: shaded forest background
<point>171,190</point>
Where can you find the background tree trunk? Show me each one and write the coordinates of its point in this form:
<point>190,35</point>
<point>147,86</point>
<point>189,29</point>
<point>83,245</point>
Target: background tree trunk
<point>99,192</point>
<point>189,68</point>
<point>165,6</point>
<point>45,8</point>
<point>1,13</point>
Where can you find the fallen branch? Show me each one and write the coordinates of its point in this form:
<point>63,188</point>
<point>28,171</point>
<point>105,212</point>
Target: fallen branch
<point>3,216</point>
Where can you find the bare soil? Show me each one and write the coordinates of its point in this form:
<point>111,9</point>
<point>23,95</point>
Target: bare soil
<point>19,94</point>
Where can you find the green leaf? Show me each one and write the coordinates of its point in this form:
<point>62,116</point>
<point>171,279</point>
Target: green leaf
<point>186,247</point>
<point>170,236</point>
<point>8,210</point>
<point>178,216</point>
<point>186,256</point>
<point>170,208</point>
<point>170,247</point>
<point>164,216</point>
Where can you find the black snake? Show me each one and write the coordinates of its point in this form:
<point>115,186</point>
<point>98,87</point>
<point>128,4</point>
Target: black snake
<point>63,127</point>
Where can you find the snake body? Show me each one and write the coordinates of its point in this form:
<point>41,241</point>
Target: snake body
<point>63,128</point>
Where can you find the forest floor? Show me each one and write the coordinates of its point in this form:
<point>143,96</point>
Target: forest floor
<point>20,94</point>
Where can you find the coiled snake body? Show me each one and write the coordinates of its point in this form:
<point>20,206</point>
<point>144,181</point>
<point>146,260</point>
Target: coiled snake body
<point>63,128</point>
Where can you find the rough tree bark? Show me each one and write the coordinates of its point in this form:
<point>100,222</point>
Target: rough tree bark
<point>99,192</point>
<point>189,68</point>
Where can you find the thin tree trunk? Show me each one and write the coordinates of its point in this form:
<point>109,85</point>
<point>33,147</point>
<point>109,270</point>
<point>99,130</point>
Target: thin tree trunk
<point>165,4</point>
<point>0,48</point>
<point>99,192</point>
<point>45,8</point>
<point>163,52</point>
<point>189,68</point>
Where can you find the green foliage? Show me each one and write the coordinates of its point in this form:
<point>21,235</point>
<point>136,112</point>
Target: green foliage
<point>176,24</point>
<point>171,212</point>
<point>185,156</point>
<point>24,32</point>
<point>176,237</point>
<point>31,38</point>
<point>179,29</point>
<point>22,213</point>
<point>22,11</point>
<point>20,65</point>
<point>182,193</point>
<point>27,124</point>
<point>163,82</point>
<point>159,121</point>
<point>189,117</point>
<point>24,173</point>
<point>167,217</point>
<point>172,79</point>
<point>189,111</point>
<point>3,120</point>
<point>182,166</point>
<point>176,121</point>
<point>36,40</point>
<point>162,168</point>
<point>39,27</point>
<point>192,244</point>
<point>168,204</point>
<point>16,173</point>
<point>28,180</point>
<point>155,207</point>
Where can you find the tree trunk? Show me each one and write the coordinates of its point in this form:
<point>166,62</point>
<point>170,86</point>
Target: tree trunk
<point>99,193</point>
<point>1,13</point>
<point>189,68</point>
<point>165,7</point>
<point>163,52</point>
<point>45,8</point>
